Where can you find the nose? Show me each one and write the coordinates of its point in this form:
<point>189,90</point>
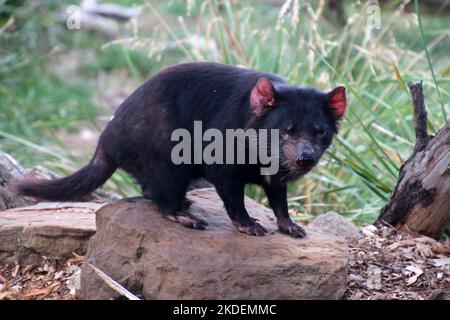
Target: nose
<point>306,159</point>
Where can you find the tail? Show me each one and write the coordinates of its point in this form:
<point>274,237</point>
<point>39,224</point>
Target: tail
<point>73,187</point>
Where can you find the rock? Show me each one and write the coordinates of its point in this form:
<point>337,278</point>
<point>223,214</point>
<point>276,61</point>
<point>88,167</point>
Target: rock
<point>333,223</point>
<point>158,259</point>
<point>46,229</point>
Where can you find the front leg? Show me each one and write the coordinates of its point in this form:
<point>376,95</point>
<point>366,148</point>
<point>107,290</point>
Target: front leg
<point>232,195</point>
<point>278,202</point>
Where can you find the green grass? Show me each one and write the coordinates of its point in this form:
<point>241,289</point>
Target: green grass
<point>355,177</point>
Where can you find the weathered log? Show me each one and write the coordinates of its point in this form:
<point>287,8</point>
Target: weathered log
<point>421,199</point>
<point>110,10</point>
<point>11,171</point>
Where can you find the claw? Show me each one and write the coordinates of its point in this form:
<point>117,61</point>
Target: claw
<point>291,228</point>
<point>187,220</point>
<point>254,229</point>
<point>192,222</point>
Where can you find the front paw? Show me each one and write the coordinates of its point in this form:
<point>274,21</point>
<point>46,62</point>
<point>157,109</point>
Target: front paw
<point>253,229</point>
<point>291,228</point>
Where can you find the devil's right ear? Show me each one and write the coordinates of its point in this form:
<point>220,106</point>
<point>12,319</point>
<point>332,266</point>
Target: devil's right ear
<point>262,97</point>
<point>337,102</point>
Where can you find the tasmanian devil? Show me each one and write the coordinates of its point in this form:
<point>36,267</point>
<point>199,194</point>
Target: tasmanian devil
<point>138,140</point>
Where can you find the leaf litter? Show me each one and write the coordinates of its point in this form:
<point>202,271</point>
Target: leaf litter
<point>389,264</point>
<point>50,280</point>
<point>384,264</point>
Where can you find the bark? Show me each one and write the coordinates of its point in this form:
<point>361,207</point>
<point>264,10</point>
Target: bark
<point>421,200</point>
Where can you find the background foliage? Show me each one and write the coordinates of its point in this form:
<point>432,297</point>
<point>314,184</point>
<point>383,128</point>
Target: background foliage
<point>54,81</point>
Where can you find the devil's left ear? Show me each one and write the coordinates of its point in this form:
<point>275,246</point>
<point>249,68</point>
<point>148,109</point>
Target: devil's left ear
<point>337,102</point>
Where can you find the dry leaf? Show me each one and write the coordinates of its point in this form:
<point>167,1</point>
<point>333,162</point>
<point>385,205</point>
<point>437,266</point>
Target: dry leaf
<point>27,268</point>
<point>441,250</point>
<point>367,232</point>
<point>42,292</point>
<point>6,294</point>
<point>424,250</point>
<point>59,275</point>
<point>3,283</point>
<point>412,280</point>
<point>357,296</point>
<point>414,269</point>
<point>75,260</point>
<point>417,272</point>
<point>16,270</point>
<point>440,262</point>
<point>73,282</point>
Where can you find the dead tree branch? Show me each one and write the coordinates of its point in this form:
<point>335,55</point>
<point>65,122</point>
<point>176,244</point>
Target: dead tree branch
<point>420,115</point>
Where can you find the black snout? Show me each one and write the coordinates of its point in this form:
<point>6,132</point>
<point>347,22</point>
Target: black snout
<point>306,159</point>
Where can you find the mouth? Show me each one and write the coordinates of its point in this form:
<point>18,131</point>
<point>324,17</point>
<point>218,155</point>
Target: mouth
<point>302,170</point>
<point>296,171</point>
<point>305,164</point>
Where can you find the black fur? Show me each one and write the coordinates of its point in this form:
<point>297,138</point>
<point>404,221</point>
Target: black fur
<point>137,140</point>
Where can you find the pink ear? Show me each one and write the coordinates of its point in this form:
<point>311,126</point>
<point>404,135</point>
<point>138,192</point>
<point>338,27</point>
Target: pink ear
<point>262,96</point>
<point>337,102</point>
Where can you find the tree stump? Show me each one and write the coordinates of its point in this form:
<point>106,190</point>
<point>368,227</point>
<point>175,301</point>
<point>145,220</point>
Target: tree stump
<point>421,199</point>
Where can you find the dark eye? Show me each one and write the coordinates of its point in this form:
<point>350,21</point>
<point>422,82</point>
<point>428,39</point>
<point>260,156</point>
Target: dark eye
<point>321,132</point>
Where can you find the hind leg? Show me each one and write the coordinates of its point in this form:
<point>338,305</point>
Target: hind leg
<point>187,220</point>
<point>167,188</point>
<point>186,202</point>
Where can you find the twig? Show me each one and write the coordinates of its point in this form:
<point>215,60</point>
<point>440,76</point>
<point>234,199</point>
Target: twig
<point>420,115</point>
<point>114,284</point>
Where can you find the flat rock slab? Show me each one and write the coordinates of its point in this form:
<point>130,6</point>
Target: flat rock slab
<point>51,229</point>
<point>159,259</point>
